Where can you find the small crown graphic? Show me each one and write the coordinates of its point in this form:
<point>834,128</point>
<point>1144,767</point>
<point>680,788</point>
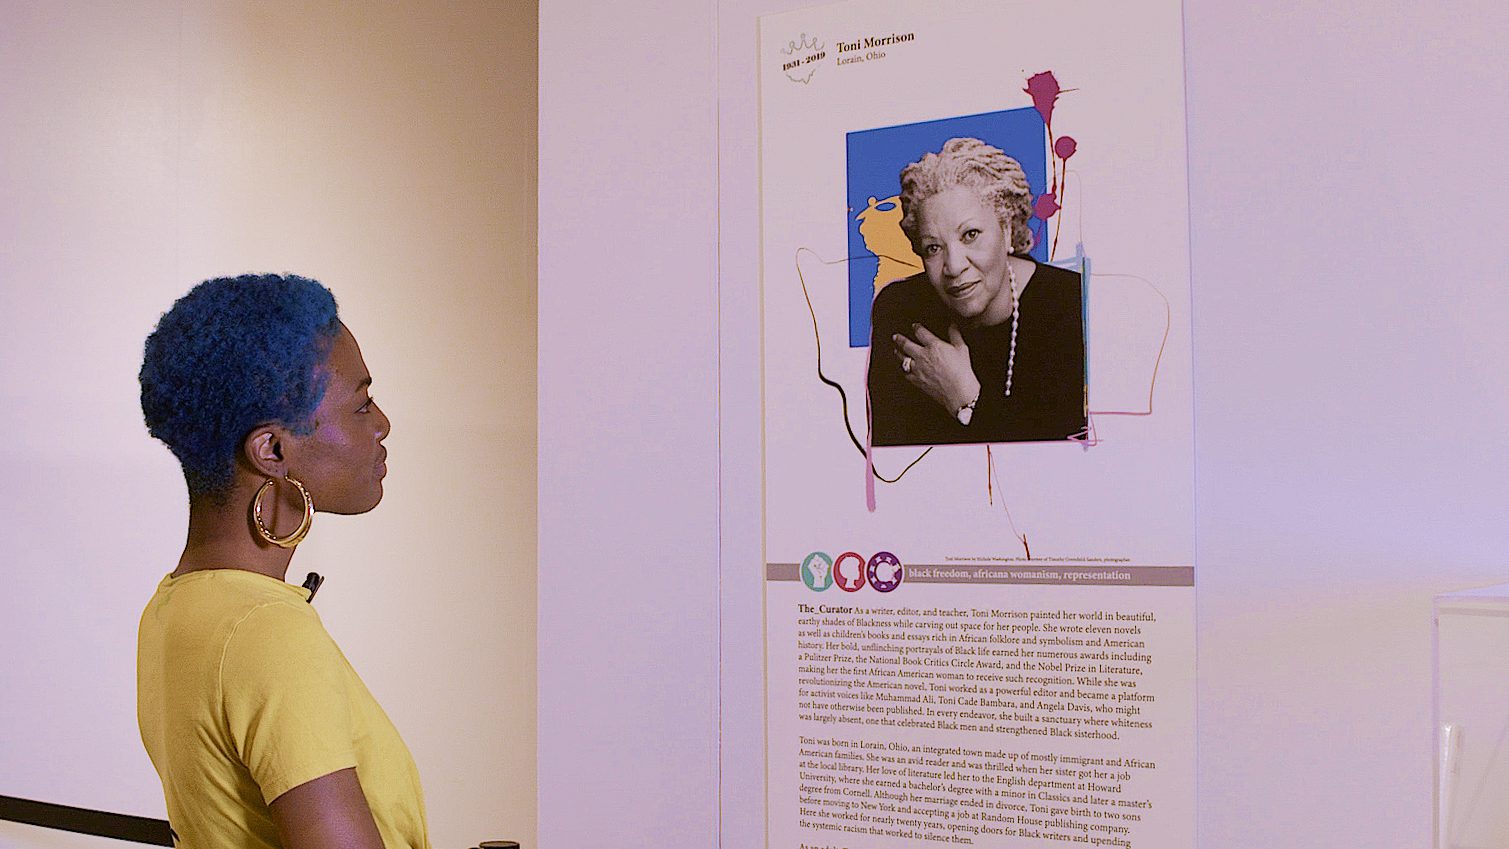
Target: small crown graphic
<point>793,47</point>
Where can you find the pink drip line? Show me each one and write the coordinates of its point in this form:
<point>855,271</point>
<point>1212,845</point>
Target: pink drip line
<point>990,475</point>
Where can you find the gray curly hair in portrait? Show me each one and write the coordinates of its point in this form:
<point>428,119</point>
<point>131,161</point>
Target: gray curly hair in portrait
<point>995,177</point>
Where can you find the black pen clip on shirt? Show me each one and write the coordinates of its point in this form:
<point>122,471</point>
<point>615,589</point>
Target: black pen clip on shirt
<point>312,583</point>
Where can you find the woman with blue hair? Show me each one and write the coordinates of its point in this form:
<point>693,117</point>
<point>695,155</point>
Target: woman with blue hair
<point>260,730</point>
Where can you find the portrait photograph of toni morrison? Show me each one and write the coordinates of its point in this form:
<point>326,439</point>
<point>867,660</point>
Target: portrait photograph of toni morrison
<point>974,337</point>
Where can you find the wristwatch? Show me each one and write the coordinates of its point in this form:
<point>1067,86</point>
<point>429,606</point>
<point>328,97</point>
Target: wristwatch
<point>967,412</point>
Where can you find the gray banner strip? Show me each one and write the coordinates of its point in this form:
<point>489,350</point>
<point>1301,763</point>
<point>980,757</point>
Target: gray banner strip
<point>1025,573</point>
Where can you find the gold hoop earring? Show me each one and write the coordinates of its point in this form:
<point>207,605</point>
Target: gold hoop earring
<point>300,532</point>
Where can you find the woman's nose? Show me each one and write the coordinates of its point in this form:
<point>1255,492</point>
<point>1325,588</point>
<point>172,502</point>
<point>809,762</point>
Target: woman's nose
<point>953,262</point>
<point>384,425</point>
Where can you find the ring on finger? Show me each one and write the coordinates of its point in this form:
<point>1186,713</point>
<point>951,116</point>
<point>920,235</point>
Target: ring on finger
<point>906,364</point>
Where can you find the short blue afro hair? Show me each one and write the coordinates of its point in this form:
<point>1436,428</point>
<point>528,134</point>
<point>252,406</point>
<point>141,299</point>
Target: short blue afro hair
<point>234,353</point>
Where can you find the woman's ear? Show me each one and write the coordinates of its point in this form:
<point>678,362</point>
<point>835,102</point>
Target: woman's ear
<point>263,451</point>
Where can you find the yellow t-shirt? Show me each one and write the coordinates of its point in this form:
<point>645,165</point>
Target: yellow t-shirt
<point>241,696</point>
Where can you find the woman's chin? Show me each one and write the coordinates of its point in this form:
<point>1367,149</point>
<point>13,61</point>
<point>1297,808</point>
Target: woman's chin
<point>376,498</point>
<point>356,506</point>
<point>967,308</point>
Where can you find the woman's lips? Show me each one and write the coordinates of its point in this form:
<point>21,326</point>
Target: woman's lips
<point>962,289</point>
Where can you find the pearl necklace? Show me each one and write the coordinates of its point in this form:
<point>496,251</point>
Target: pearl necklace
<point>1015,313</point>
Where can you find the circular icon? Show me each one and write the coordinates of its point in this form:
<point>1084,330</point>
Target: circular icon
<point>817,571</point>
<point>885,571</point>
<point>849,572</point>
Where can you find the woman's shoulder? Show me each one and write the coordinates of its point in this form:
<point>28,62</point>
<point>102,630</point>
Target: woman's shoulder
<point>237,609</point>
<point>216,601</point>
<point>908,300</point>
<point>279,620</point>
<point>272,641</point>
<point>1053,284</point>
<point>907,290</point>
<point>1054,274</point>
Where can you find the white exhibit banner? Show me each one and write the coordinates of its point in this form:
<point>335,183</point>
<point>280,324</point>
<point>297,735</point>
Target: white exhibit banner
<point>978,449</point>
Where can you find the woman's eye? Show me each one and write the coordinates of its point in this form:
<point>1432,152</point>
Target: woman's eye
<point>367,407</point>
<point>970,236</point>
<point>929,250</point>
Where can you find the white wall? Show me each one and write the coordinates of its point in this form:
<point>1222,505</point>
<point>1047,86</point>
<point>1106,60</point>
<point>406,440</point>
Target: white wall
<point>1347,175</point>
<point>389,151</point>
<point>1346,192</point>
<point>628,426</point>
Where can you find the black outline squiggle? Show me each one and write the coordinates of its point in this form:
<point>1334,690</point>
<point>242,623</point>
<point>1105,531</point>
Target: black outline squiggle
<point>843,396</point>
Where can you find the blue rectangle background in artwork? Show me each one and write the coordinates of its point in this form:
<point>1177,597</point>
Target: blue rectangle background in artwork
<point>878,250</point>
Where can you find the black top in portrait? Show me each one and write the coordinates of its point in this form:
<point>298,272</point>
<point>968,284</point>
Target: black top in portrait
<point>1048,399</point>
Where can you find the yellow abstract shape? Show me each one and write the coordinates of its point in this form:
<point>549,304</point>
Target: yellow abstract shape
<point>880,227</point>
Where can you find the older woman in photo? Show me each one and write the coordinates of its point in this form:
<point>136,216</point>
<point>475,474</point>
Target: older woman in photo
<point>986,345</point>
<point>261,732</point>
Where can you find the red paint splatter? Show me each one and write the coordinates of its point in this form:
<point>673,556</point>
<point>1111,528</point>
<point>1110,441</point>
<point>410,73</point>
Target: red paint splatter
<point>1046,206</point>
<point>1043,89</point>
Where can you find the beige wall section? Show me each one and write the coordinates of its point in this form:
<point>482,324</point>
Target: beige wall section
<point>387,149</point>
